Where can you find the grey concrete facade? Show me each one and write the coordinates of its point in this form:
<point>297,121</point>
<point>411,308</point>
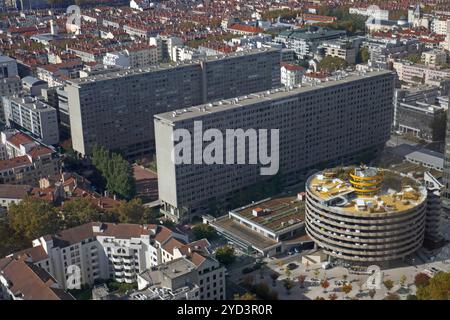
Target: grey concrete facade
<point>326,123</point>
<point>116,110</point>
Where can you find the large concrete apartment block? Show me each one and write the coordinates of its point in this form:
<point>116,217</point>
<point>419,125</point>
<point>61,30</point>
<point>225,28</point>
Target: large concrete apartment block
<point>331,122</point>
<point>116,110</point>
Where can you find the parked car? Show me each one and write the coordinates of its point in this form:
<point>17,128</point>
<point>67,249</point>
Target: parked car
<point>292,266</point>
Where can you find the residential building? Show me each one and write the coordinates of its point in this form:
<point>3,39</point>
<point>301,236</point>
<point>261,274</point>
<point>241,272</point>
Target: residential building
<point>420,74</point>
<point>22,280</point>
<point>434,57</point>
<point>415,111</point>
<point>57,74</point>
<point>384,52</point>
<point>445,195</point>
<point>11,193</point>
<point>362,98</point>
<point>9,80</point>
<point>341,48</point>
<point>33,86</point>
<point>122,119</point>
<point>138,56</point>
<point>305,41</point>
<point>371,11</point>
<point>268,227</point>
<point>195,276</point>
<point>291,74</point>
<point>34,116</point>
<point>8,67</point>
<point>26,161</point>
<point>365,215</point>
<point>122,252</point>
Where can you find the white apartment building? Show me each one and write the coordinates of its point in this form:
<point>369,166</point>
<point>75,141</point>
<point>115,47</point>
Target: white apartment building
<point>197,274</point>
<point>182,53</point>
<point>291,74</point>
<point>439,26</point>
<point>34,116</point>
<point>434,57</point>
<point>371,11</point>
<point>97,250</point>
<point>416,73</point>
<point>133,57</point>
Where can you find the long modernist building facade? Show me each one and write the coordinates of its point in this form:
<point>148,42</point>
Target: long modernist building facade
<point>330,122</point>
<point>116,109</point>
<point>365,214</point>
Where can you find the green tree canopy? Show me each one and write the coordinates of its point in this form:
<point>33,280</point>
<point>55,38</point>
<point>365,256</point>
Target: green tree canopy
<point>329,64</point>
<point>117,172</point>
<point>132,212</point>
<point>202,231</point>
<point>79,211</point>
<point>32,218</point>
<point>437,289</point>
<point>225,255</point>
<point>363,55</point>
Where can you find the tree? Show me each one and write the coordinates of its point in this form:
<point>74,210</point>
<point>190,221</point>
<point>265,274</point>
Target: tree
<point>324,284</point>
<point>225,255</point>
<point>389,284</point>
<point>288,285</point>
<point>421,280</point>
<point>333,296</point>
<point>9,241</point>
<point>301,280</point>
<point>33,218</point>
<point>274,277</point>
<point>372,293</point>
<point>79,211</point>
<point>345,277</point>
<point>319,298</point>
<point>411,297</point>
<point>414,57</point>
<point>403,280</point>
<point>133,211</point>
<point>202,231</point>
<point>245,296</point>
<point>117,172</point>
<point>346,288</point>
<point>330,64</point>
<point>363,55</point>
<point>437,289</point>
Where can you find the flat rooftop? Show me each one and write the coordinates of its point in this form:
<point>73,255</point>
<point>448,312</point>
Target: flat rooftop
<point>163,66</point>
<point>245,234</point>
<point>274,214</point>
<point>270,95</point>
<point>397,192</point>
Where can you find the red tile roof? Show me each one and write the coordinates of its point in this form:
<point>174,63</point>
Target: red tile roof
<point>14,162</point>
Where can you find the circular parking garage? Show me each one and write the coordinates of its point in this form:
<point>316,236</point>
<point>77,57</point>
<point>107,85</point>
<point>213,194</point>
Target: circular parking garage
<point>364,214</point>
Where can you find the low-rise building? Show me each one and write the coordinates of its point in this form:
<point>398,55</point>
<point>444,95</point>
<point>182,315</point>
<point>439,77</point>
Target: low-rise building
<point>269,226</point>
<point>25,160</point>
<point>291,74</point>
<point>22,280</point>
<point>11,193</point>
<point>420,74</point>
<point>434,57</point>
